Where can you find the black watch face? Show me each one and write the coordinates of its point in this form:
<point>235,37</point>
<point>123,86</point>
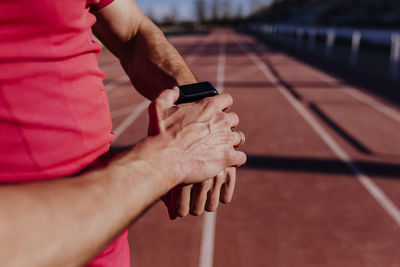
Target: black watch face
<point>195,92</point>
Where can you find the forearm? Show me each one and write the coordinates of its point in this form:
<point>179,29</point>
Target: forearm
<point>152,63</point>
<point>148,58</point>
<point>69,221</point>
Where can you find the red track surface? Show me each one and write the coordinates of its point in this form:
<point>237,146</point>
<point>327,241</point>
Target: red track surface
<point>296,202</point>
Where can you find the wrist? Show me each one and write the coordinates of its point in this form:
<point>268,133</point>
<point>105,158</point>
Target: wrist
<point>163,156</point>
<point>154,160</point>
<point>186,79</point>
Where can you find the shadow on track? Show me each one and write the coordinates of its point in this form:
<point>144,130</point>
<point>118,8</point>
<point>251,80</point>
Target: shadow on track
<point>315,165</point>
<point>318,112</point>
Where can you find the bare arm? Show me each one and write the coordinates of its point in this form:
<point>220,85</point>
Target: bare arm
<point>69,221</point>
<point>153,64</point>
<point>150,61</point>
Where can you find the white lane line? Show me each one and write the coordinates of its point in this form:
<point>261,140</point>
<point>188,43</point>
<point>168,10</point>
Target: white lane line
<point>221,65</point>
<point>199,49</point>
<point>208,234</point>
<point>384,109</point>
<point>142,105</point>
<point>123,111</point>
<point>207,240</point>
<point>242,73</point>
<point>130,119</point>
<point>357,94</point>
<point>377,193</point>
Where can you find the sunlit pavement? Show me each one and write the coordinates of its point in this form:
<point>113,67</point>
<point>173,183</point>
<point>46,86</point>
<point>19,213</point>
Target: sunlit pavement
<point>321,186</point>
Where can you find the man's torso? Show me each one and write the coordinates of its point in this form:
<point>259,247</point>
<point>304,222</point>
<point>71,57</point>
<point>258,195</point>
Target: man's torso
<point>54,113</point>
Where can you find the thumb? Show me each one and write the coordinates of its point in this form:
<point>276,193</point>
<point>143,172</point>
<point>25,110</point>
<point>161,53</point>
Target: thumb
<point>169,96</point>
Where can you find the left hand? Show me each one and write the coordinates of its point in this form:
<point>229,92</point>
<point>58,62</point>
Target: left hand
<point>200,197</point>
<point>205,196</point>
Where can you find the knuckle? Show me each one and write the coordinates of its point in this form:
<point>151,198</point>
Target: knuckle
<point>168,93</point>
<point>212,207</point>
<point>229,138</point>
<point>173,93</point>
<point>235,118</point>
<point>243,158</point>
<point>225,200</point>
<point>238,138</point>
<point>225,122</point>
<point>221,175</point>
<point>182,211</point>
<point>230,119</point>
<point>197,212</point>
<point>206,185</point>
<point>226,116</point>
<point>228,97</point>
<point>233,136</point>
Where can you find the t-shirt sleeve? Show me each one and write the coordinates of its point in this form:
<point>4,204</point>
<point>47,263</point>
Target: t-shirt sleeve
<point>101,4</point>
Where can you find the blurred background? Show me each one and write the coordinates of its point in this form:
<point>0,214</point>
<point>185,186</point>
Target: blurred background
<point>363,13</point>
<point>357,40</point>
<point>316,84</point>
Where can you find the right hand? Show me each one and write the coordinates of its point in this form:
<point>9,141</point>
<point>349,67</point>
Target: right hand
<point>198,141</point>
<point>200,197</point>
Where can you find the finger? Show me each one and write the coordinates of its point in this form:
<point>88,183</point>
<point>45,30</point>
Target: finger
<point>199,197</point>
<point>236,158</point>
<point>168,97</point>
<point>221,101</point>
<point>228,187</point>
<point>183,201</point>
<point>238,138</point>
<point>214,194</point>
<point>233,119</point>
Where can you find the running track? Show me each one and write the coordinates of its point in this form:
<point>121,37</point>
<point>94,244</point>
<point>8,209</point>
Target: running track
<point>321,186</point>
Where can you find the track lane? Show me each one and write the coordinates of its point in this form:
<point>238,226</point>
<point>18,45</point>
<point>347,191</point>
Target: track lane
<point>321,227</point>
<point>375,128</point>
<point>176,243</point>
<point>281,216</point>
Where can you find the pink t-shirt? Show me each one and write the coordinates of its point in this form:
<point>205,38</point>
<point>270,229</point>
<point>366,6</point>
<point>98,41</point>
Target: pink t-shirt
<point>54,113</point>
